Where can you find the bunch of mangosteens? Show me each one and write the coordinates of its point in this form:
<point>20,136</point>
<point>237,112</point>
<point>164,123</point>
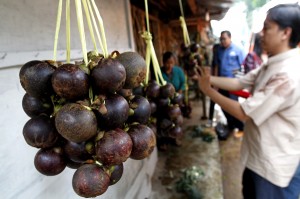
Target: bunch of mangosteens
<point>85,117</point>
<point>166,115</point>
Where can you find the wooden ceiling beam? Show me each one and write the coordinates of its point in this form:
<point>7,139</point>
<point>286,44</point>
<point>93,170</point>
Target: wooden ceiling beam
<point>161,5</point>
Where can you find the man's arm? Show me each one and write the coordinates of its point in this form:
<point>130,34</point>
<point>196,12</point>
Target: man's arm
<point>225,83</point>
<point>231,106</point>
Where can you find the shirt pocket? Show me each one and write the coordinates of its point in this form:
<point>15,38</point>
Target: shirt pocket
<point>233,61</point>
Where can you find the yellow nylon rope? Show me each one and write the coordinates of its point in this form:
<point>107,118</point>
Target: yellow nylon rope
<point>68,31</point>
<point>81,30</point>
<point>186,37</point>
<point>58,20</point>
<point>88,18</point>
<point>95,26</point>
<point>150,53</point>
<point>100,21</point>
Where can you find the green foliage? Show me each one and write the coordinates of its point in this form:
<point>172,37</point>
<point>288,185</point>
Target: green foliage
<point>187,183</point>
<point>253,4</point>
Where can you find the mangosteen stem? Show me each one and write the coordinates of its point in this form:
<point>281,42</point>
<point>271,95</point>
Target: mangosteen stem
<point>99,135</point>
<point>114,54</point>
<point>89,147</point>
<point>131,111</point>
<point>84,68</point>
<point>56,106</point>
<point>98,163</point>
<point>56,109</point>
<point>58,20</point>
<point>110,170</point>
<point>86,107</point>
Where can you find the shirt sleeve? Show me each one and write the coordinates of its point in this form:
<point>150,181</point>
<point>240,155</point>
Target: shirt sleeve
<point>274,96</point>
<point>248,80</point>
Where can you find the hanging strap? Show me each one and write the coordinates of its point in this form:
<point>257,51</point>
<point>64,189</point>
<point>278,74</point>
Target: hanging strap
<point>58,20</point>
<point>186,37</point>
<point>150,53</point>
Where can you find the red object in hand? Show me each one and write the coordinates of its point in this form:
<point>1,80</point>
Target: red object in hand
<point>241,93</point>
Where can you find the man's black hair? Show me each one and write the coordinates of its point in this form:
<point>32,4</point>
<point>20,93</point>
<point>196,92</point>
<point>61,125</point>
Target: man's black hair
<point>287,15</point>
<point>227,32</point>
<point>257,44</point>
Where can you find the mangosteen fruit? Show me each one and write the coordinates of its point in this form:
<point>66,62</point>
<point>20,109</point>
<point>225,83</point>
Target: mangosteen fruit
<point>125,92</point>
<point>138,91</point>
<point>142,109</point>
<point>33,106</point>
<point>70,82</point>
<point>164,125</point>
<point>35,78</point>
<point>153,107</point>
<point>50,161</point>
<point>116,114</point>
<point>76,152</point>
<point>108,76</point>
<point>153,127</point>
<point>173,111</point>
<point>135,66</point>
<point>167,91</point>
<point>175,132</point>
<point>143,141</point>
<point>152,90</point>
<point>162,103</point>
<point>40,132</point>
<point>90,180</point>
<point>178,99</point>
<point>76,123</point>
<point>178,120</point>
<point>114,147</point>
<point>73,165</point>
<point>186,110</point>
<point>194,47</point>
<point>116,173</point>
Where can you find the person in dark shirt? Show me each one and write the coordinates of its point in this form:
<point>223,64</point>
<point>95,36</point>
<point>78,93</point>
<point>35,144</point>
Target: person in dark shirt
<point>172,73</point>
<point>229,61</point>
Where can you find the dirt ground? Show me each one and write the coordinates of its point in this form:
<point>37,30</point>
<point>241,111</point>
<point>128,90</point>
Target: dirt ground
<point>218,160</point>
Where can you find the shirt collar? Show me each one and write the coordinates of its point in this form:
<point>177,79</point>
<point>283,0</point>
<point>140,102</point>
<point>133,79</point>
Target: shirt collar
<point>281,56</point>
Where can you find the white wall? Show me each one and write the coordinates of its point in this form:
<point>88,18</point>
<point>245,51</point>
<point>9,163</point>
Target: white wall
<point>27,29</point>
<point>26,33</point>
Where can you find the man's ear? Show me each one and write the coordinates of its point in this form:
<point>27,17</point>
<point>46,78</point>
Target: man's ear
<point>287,33</point>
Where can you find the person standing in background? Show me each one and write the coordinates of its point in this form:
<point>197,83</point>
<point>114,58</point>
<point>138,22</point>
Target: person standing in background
<point>254,57</point>
<point>213,68</point>
<point>229,61</point>
<point>270,149</point>
<point>171,73</point>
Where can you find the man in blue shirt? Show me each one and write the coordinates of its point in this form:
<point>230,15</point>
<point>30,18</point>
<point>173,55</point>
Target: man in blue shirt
<point>229,61</point>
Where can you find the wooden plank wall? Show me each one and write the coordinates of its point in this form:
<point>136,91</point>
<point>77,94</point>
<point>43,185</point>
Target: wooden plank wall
<point>166,37</point>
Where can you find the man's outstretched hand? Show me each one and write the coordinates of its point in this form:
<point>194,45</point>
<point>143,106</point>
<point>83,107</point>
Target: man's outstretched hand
<point>203,74</point>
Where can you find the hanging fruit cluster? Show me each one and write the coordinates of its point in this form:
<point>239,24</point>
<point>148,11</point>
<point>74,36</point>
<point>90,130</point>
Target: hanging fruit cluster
<point>191,58</point>
<point>79,115</point>
<point>78,120</point>
<point>166,116</point>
